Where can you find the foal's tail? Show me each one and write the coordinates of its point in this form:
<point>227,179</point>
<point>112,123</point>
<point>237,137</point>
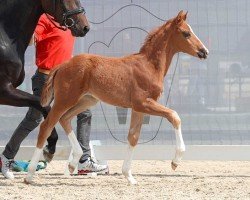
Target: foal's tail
<point>47,93</point>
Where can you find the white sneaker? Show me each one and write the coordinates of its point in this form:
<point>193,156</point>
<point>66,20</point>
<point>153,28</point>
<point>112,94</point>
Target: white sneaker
<point>5,165</point>
<point>89,166</point>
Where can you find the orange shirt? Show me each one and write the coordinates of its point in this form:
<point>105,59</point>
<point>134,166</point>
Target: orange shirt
<point>53,46</point>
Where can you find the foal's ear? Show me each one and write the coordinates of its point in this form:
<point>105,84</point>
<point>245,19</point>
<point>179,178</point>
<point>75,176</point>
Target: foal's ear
<point>185,16</point>
<point>180,18</point>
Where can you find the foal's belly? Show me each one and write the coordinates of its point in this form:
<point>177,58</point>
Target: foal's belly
<point>113,99</point>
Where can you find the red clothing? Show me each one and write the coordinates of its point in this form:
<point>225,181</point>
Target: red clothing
<point>53,46</point>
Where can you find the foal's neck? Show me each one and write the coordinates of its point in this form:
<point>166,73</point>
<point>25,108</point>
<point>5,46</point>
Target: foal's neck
<point>158,49</point>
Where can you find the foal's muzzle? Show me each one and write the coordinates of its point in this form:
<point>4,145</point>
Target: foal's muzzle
<point>202,53</point>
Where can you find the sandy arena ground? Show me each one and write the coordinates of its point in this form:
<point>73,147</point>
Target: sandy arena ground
<point>192,180</point>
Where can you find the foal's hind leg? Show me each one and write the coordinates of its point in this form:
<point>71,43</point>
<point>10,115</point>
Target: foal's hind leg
<point>45,130</point>
<point>133,136</point>
<point>152,107</point>
<point>83,104</point>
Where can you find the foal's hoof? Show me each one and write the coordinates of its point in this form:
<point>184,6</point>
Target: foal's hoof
<point>173,165</point>
<point>27,181</point>
<point>132,181</point>
<point>71,169</point>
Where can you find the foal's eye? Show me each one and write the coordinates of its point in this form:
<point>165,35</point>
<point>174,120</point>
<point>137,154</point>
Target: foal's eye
<point>186,34</point>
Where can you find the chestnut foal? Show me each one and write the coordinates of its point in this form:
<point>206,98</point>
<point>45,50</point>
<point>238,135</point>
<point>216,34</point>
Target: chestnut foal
<point>134,81</point>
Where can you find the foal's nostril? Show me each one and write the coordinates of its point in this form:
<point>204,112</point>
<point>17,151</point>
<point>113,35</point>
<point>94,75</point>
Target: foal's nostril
<point>203,53</point>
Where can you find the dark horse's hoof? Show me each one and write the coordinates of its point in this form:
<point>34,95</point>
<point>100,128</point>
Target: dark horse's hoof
<point>47,155</point>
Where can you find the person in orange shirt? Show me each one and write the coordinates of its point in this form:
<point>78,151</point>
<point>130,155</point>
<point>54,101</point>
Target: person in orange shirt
<point>53,46</point>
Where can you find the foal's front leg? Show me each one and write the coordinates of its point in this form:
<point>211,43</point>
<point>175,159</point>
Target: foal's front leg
<point>180,148</point>
<point>133,136</point>
<point>152,107</point>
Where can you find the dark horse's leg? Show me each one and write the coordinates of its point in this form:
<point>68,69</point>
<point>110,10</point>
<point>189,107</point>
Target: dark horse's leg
<point>14,97</point>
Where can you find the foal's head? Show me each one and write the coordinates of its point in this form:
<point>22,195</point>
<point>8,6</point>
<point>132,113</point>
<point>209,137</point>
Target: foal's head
<point>184,38</point>
<point>69,13</point>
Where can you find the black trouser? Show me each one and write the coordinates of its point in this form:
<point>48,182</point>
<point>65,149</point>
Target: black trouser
<point>34,117</point>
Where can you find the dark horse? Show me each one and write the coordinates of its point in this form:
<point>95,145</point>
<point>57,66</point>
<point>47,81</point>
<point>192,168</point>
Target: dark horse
<point>18,19</point>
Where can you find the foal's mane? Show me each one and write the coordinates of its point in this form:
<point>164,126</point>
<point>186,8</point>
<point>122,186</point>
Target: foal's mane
<point>157,31</point>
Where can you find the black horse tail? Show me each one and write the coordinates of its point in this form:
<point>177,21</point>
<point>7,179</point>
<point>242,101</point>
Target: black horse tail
<point>48,91</point>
